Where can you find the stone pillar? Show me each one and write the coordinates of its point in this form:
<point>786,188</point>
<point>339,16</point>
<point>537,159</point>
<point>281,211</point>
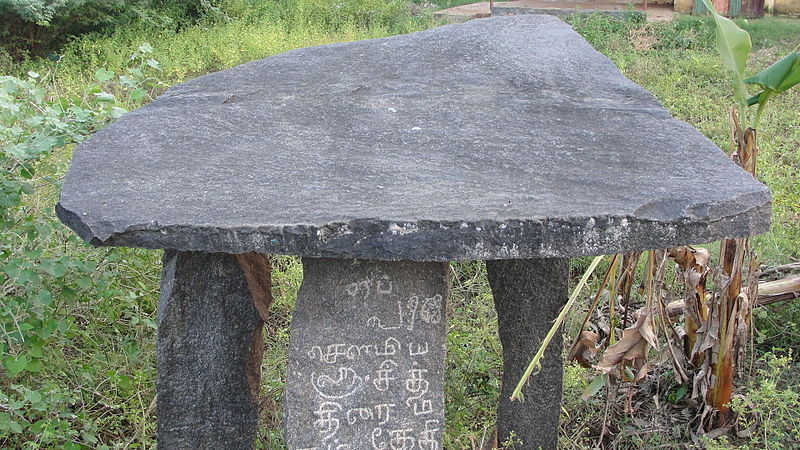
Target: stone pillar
<point>209,349</point>
<point>528,294</point>
<point>366,356</point>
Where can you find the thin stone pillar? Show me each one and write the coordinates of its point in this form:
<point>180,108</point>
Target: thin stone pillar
<point>366,356</point>
<point>210,321</point>
<point>528,294</point>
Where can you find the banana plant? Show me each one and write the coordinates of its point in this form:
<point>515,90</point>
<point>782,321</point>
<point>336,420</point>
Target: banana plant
<point>729,309</point>
<point>773,80</point>
<point>734,47</point>
<point>733,44</point>
<point>716,321</point>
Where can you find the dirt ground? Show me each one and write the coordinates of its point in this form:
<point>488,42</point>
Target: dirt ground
<point>481,9</point>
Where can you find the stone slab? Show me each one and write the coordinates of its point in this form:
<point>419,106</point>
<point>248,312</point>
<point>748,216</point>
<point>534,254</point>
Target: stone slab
<point>528,295</point>
<point>209,342</point>
<point>499,138</point>
<point>366,356</point>
<point>569,9</point>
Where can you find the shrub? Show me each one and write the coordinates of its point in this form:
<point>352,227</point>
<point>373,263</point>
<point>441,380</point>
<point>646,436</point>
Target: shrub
<point>36,27</point>
<point>40,26</point>
<point>44,279</point>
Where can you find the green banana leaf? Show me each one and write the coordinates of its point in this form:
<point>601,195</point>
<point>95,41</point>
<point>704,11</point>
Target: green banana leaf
<point>734,45</point>
<point>776,78</point>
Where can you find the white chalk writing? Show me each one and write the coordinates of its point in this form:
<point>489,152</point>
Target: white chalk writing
<point>413,304</point>
<point>422,407</point>
<point>333,446</point>
<point>362,288</point>
<point>429,311</point>
<point>327,424</point>
<point>401,439</point>
<point>344,386</point>
<point>332,353</point>
<point>377,442</point>
<point>418,386</point>
<point>432,309</point>
<point>380,382</point>
<point>377,413</point>
<point>383,376</point>
<point>356,414</point>
<point>390,347</point>
<point>428,439</point>
<point>415,349</point>
<point>383,412</point>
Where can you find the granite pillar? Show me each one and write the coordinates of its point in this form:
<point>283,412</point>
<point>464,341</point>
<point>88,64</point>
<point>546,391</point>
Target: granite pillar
<point>209,350</point>
<point>366,356</point>
<point>528,294</point>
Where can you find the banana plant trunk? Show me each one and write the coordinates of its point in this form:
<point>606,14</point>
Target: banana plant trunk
<point>732,306</point>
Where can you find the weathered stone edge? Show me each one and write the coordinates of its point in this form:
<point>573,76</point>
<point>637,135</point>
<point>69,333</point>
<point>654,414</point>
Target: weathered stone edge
<point>622,12</point>
<point>438,240</point>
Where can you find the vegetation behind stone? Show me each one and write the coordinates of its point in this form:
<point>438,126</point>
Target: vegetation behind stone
<point>78,323</point>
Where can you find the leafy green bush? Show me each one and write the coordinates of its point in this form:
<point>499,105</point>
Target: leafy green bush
<point>221,40</point>
<point>36,11</point>
<point>44,280</point>
<point>40,26</point>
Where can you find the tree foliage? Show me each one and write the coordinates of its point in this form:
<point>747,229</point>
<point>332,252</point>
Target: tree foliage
<point>40,26</point>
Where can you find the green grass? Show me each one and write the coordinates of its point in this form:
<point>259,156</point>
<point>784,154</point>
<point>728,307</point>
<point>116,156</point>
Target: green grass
<point>96,385</point>
<point>781,32</point>
<point>444,4</point>
<point>245,30</point>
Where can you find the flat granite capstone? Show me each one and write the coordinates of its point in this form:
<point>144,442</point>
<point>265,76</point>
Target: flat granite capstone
<point>499,138</point>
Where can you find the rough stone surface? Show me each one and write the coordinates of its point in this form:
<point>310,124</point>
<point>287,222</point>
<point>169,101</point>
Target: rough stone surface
<point>528,295</point>
<point>499,138</point>
<point>206,324</point>
<point>620,11</point>
<point>366,356</point>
